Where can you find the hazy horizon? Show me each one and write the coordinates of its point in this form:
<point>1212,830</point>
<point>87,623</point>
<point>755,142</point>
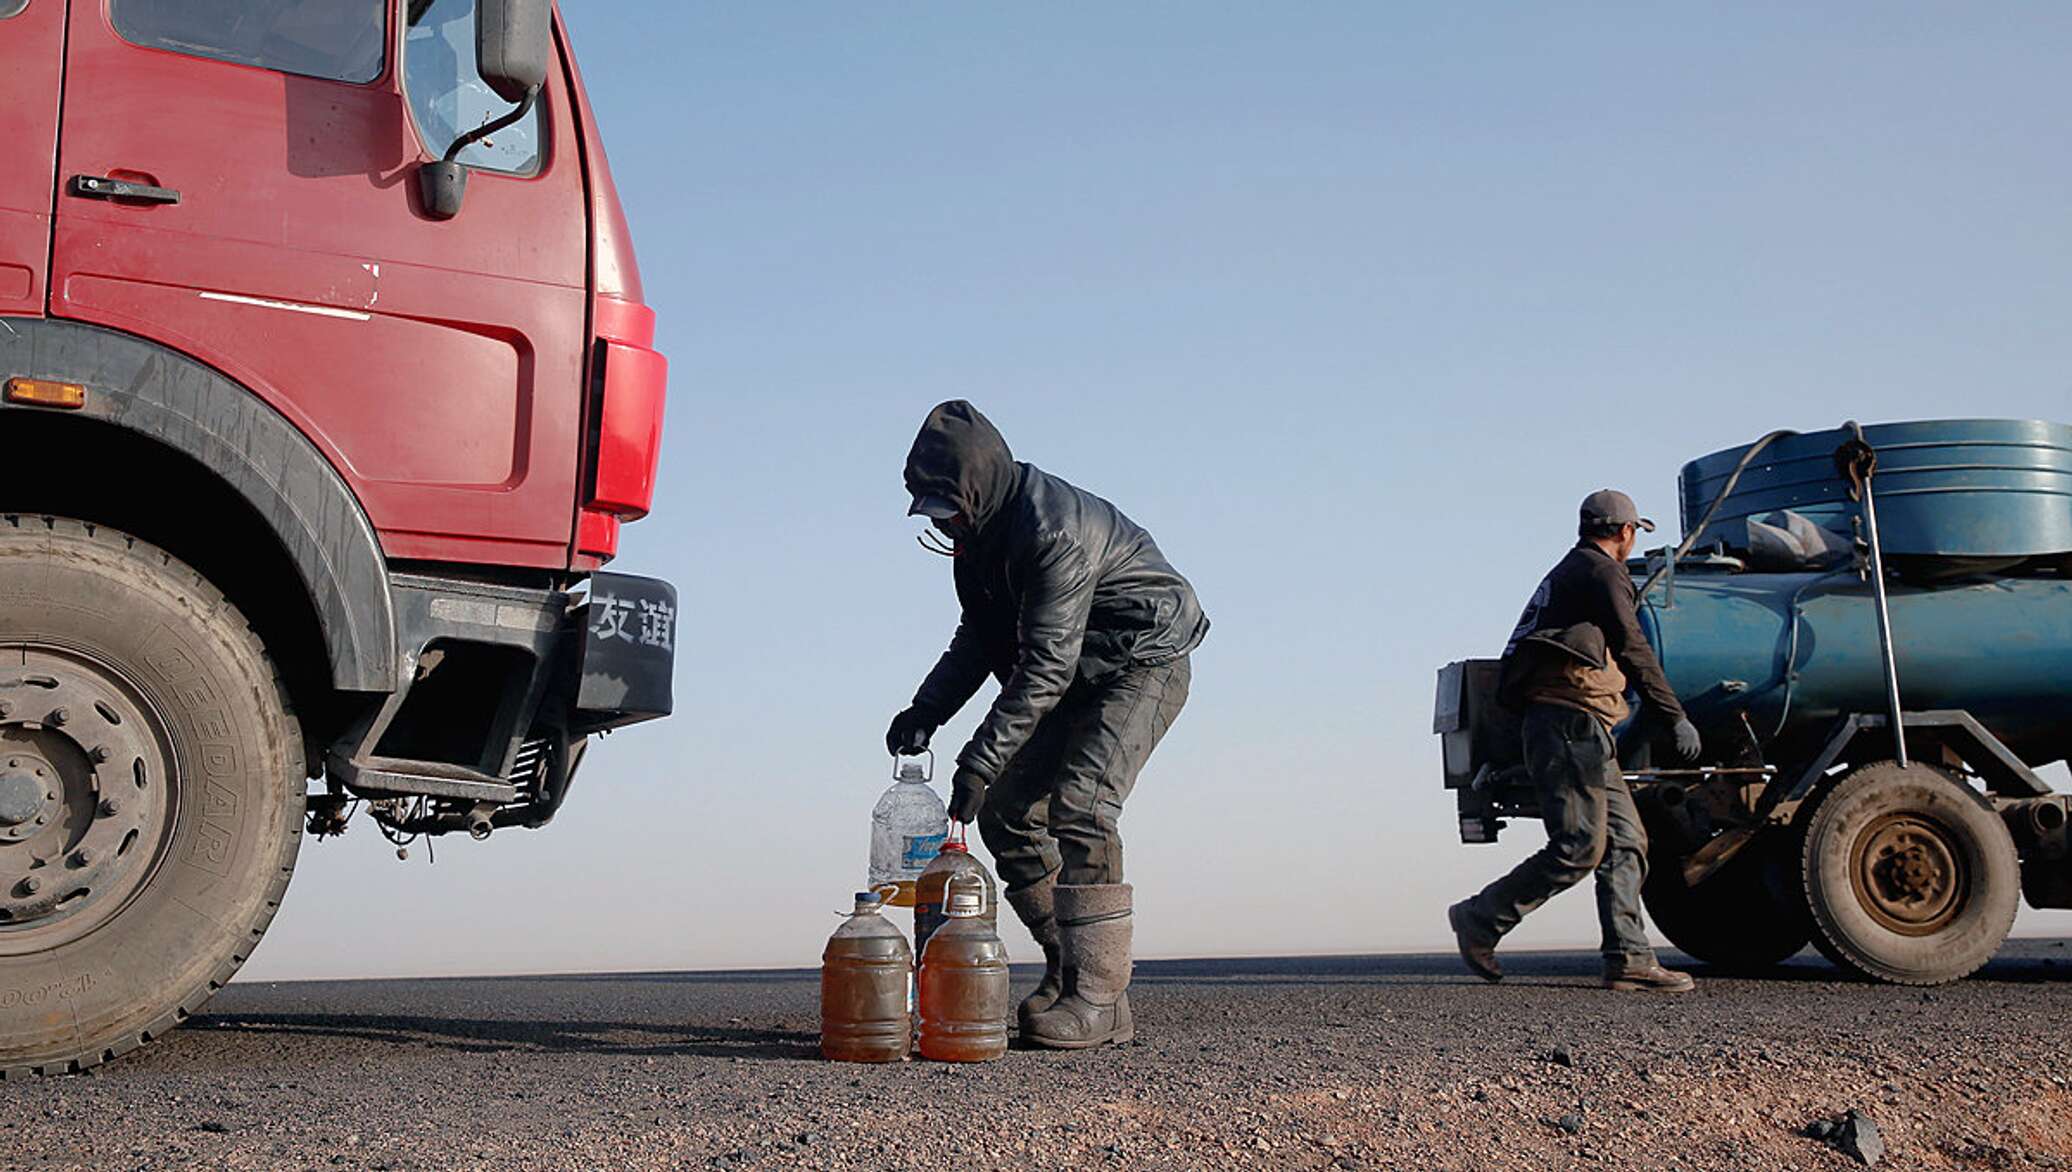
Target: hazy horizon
<point>1349,305</point>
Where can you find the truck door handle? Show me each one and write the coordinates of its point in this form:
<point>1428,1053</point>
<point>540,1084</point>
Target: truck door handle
<point>101,187</point>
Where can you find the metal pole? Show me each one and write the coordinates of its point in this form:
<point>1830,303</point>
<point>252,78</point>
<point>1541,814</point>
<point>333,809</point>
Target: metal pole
<point>1870,526</point>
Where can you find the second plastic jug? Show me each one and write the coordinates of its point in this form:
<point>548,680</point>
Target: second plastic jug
<point>907,829</point>
<point>864,976</point>
<point>964,981</point>
<point>931,890</point>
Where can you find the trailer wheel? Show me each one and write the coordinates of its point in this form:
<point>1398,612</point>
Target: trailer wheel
<point>1909,876</point>
<point>150,793</point>
<point>1746,916</point>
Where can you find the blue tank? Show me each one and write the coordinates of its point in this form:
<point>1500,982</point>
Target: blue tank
<point>1953,488</point>
<point>1795,651</point>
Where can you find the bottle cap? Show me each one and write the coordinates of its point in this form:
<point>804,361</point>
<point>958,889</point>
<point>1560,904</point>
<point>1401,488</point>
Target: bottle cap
<point>911,771</point>
<point>868,899</point>
<point>952,845</point>
<point>965,898</point>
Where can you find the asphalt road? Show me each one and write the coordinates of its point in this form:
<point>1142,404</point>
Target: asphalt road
<point>1368,1062</point>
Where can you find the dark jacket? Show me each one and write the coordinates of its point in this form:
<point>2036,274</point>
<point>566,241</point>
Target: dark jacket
<point>1587,586</point>
<point>1056,586</point>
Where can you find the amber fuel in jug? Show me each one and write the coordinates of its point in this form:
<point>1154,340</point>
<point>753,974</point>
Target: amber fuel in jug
<point>864,990</point>
<point>932,888</point>
<point>964,981</point>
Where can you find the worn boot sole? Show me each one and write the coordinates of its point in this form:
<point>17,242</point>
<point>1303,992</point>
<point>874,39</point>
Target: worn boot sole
<point>1622,985</point>
<point>1124,1033</point>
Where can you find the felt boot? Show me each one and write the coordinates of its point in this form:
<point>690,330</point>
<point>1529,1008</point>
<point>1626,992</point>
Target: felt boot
<point>1037,905</point>
<point>1094,930</point>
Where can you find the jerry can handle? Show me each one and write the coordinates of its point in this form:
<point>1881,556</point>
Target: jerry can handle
<point>928,753</point>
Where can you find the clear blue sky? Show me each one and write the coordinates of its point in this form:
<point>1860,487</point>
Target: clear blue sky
<point>1348,303</point>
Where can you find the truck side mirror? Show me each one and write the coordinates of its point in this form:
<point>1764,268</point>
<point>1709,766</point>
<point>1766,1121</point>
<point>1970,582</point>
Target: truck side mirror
<point>514,45</point>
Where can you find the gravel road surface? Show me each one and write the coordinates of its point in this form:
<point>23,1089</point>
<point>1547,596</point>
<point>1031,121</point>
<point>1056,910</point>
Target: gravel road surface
<point>1369,1062</point>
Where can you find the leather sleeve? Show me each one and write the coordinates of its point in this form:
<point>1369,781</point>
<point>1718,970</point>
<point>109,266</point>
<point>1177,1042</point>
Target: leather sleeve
<point>1056,602</point>
<point>954,679</point>
<point>1612,600</point>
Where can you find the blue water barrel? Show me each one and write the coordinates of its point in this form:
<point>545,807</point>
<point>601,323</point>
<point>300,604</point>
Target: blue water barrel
<point>2000,649</point>
<point>1975,488</point>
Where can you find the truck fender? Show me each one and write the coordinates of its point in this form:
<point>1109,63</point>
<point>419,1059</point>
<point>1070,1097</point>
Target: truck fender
<point>159,393</point>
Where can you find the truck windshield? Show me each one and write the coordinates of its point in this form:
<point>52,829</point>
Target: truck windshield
<point>339,40</point>
<point>448,97</point>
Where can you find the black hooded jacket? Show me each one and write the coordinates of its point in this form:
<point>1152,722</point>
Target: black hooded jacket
<point>1056,586</point>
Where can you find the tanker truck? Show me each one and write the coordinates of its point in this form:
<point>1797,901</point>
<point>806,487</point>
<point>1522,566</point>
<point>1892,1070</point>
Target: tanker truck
<point>1872,627</point>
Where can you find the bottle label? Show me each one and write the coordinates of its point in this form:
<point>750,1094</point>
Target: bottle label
<point>921,850</point>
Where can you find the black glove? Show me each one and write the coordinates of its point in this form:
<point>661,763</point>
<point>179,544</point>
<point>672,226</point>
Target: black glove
<point>967,794</point>
<point>1688,746</point>
<point>909,733</point>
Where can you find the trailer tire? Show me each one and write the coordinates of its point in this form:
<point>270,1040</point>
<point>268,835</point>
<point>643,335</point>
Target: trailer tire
<point>1745,917</point>
<point>1909,875</point>
<point>142,720</point>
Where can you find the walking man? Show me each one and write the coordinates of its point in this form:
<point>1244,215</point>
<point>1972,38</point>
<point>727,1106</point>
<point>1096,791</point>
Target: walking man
<point>1070,605</point>
<point>1566,670</point>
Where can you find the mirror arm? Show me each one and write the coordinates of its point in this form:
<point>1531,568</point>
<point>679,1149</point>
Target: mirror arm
<point>444,184</point>
<point>488,128</point>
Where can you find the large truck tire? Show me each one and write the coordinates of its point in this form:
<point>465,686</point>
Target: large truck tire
<point>1747,916</point>
<point>150,793</point>
<point>1909,876</point>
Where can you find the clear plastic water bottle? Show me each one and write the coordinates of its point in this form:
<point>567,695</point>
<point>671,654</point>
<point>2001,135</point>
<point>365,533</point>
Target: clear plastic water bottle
<point>907,829</point>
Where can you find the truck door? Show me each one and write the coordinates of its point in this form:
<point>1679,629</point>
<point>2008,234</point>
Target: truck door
<point>32,61</point>
<point>238,180</point>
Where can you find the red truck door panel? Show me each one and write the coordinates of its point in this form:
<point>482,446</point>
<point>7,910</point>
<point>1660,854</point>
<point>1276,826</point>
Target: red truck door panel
<point>32,39</point>
<point>438,364</point>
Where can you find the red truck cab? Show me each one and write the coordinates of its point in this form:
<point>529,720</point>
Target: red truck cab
<point>322,348</point>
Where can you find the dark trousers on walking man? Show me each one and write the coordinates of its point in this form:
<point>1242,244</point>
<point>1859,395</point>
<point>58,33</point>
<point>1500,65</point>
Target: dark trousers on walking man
<point>1592,828</point>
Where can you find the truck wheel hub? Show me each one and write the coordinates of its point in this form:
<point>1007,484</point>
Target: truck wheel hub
<point>1908,874</point>
<point>21,794</point>
<point>86,794</point>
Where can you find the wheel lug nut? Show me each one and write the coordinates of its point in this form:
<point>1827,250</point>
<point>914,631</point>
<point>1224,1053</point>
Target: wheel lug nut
<point>100,754</point>
<point>60,716</point>
<point>6,709</point>
<point>31,885</point>
<point>110,807</point>
<point>83,857</point>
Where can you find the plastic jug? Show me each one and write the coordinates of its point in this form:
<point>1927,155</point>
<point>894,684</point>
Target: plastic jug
<point>964,982</point>
<point>908,827</point>
<point>931,889</point>
<point>864,975</point>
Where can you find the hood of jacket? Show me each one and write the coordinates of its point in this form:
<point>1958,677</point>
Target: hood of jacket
<point>1583,642</point>
<point>960,455</point>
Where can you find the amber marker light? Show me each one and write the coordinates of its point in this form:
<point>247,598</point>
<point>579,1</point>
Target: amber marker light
<point>39,392</point>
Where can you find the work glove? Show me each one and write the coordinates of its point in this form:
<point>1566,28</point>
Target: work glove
<point>1688,746</point>
<point>909,733</point>
<point>967,794</point>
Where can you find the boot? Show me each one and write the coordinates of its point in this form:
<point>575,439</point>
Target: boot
<point>1629,976</point>
<point>1094,927</point>
<point>1477,949</point>
<point>1037,904</point>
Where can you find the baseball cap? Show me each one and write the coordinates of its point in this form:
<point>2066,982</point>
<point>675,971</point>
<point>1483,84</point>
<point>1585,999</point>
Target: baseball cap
<point>935,508</point>
<point>1609,506</point>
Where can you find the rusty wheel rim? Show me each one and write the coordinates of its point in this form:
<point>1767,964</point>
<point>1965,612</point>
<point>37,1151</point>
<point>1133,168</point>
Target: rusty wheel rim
<point>88,794</point>
<point>1909,874</point>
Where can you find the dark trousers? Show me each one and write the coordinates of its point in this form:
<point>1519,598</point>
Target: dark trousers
<point>1057,805</point>
<point>1592,826</point>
